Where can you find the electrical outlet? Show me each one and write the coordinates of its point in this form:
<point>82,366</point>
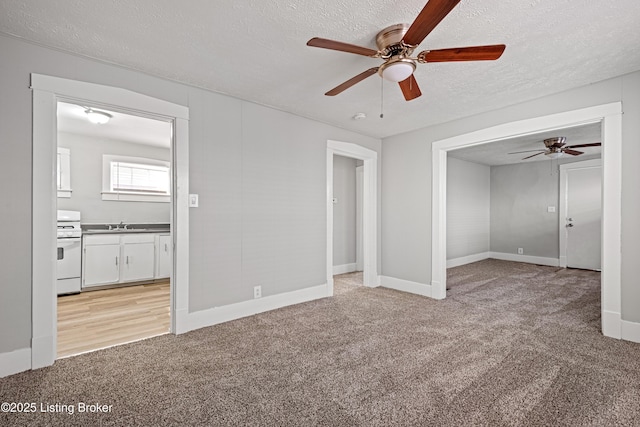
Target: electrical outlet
<point>520,251</point>
<point>257,291</point>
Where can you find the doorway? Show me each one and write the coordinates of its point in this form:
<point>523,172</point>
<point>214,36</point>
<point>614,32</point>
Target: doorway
<point>47,91</point>
<point>610,117</point>
<point>369,160</point>
<point>347,223</point>
<point>114,174</point>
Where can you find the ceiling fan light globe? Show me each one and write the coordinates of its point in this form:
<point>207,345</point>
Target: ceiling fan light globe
<point>397,71</point>
<point>554,155</point>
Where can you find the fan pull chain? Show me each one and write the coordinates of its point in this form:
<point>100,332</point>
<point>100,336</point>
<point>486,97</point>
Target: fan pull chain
<point>381,98</point>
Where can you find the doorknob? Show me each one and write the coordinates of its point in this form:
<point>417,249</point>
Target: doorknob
<point>569,225</point>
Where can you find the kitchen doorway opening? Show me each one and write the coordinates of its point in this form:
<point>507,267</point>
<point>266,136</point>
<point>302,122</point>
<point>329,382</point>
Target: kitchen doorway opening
<point>114,243</point>
<point>47,92</point>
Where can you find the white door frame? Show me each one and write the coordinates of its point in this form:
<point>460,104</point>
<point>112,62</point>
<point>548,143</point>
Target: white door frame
<point>610,115</point>
<point>359,192</point>
<point>47,91</point>
<point>562,208</point>
<point>369,209</point>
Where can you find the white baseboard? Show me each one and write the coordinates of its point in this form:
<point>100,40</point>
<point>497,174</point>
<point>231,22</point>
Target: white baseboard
<point>456,262</point>
<point>406,286</point>
<point>15,361</point>
<point>553,262</point>
<point>216,315</point>
<point>611,324</point>
<point>630,331</point>
<point>43,351</point>
<point>344,268</point>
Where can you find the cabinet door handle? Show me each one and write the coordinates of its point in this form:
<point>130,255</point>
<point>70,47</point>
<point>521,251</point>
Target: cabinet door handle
<point>116,260</point>
<point>127,259</point>
<point>165,248</point>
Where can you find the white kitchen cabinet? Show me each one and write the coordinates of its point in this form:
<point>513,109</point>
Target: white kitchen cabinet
<point>118,258</point>
<point>138,257</point>
<point>100,260</point>
<point>164,256</point>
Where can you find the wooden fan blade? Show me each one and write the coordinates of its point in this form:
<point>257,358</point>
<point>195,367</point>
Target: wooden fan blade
<point>593,144</point>
<point>526,151</point>
<point>430,16</point>
<point>357,79</point>
<point>471,53</point>
<point>342,47</point>
<point>410,89</point>
<point>533,155</point>
<point>572,152</point>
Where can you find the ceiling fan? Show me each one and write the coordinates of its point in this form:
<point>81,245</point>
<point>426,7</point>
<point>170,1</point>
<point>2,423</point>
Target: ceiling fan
<point>396,44</point>
<point>555,148</point>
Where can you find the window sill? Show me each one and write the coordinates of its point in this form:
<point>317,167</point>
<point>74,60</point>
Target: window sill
<point>133,197</point>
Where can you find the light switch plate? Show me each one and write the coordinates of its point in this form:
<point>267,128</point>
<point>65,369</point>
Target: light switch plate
<point>551,209</point>
<point>193,200</point>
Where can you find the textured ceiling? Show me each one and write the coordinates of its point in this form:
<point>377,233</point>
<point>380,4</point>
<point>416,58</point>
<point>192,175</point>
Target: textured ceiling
<point>256,50</point>
<point>497,153</point>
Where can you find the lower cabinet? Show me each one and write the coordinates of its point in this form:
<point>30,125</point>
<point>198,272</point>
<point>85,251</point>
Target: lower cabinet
<point>138,257</point>
<point>164,256</point>
<point>121,258</point>
<point>100,260</point>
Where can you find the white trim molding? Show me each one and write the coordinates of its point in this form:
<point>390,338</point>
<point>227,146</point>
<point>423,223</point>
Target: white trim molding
<point>630,331</point>
<point>226,313</point>
<point>611,324</point>
<point>406,286</point>
<point>369,209</point>
<point>457,262</point>
<point>15,361</point>
<point>344,268</point>
<point>529,259</point>
<point>610,115</point>
<point>47,91</point>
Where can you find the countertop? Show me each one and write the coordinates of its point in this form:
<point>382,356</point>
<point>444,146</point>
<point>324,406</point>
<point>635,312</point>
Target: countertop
<point>131,228</point>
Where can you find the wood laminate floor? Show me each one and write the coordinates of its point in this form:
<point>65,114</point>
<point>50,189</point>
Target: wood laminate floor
<point>98,319</point>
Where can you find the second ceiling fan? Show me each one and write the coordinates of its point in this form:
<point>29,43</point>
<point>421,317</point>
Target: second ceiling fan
<point>396,45</point>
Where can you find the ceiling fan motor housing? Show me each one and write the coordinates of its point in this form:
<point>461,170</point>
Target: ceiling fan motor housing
<point>389,41</point>
<point>555,143</point>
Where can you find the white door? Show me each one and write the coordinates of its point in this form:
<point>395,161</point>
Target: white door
<point>582,219</point>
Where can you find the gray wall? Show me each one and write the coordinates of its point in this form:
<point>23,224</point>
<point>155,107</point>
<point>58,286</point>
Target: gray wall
<point>468,196</point>
<point>260,174</point>
<point>344,212</point>
<point>86,181</point>
<point>520,195</point>
<point>406,171</point>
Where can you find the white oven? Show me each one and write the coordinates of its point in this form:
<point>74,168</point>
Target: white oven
<point>69,252</point>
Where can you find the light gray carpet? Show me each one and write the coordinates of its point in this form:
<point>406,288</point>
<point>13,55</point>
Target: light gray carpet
<point>513,344</point>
